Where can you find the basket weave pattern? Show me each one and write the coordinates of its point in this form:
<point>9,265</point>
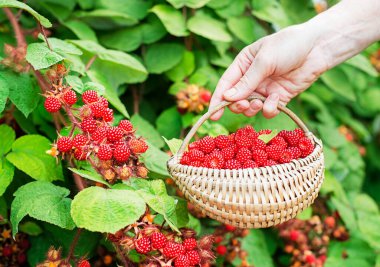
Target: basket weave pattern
<point>254,197</point>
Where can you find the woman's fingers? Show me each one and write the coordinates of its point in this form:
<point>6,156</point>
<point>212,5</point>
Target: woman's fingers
<point>270,106</point>
<point>254,107</point>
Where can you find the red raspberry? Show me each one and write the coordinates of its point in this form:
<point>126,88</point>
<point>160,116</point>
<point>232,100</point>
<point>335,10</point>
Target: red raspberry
<point>207,144</point>
<point>286,156</point>
<point>114,134</point>
<point>279,141</point>
<point>103,101</point>
<point>84,263</point>
<point>205,96</point>
<point>194,145</point>
<point>70,97</point>
<point>243,154</point>
<point>243,141</point>
<point>88,125</point>
<point>330,222</point>
<point>97,109</point>
<point>292,137</point>
<point>228,153</point>
<point>79,140</point>
<point>295,151</point>
<point>229,228</point>
<point>214,160</point>
<point>222,141</point>
<point>189,243</point>
<point>232,137</point>
<point>196,164</point>
<point>185,159</point>
<point>260,157</point>
<point>218,239</point>
<point>265,131</point>
<point>126,125</point>
<point>249,164</point>
<point>64,144</point>
<point>90,96</point>
<point>194,258</point>
<point>196,155</point>
<point>270,162</point>
<point>52,104</point>
<point>80,154</point>
<point>105,152</point>
<point>181,261</point>
<point>221,250</point>
<point>143,245</point>
<point>121,153</point>
<point>159,240</point>
<point>173,249</point>
<point>310,259</point>
<point>293,235</point>
<point>232,164</point>
<point>259,144</point>
<point>274,151</point>
<point>108,115</point>
<point>306,146</point>
<point>138,146</point>
<point>100,134</point>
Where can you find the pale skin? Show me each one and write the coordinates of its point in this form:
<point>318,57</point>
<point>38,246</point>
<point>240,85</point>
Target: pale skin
<point>282,65</point>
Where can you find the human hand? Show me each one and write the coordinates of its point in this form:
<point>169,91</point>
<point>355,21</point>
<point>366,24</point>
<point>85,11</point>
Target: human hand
<point>279,66</point>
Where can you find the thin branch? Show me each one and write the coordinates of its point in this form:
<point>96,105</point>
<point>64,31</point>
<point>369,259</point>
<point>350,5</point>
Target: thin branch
<point>42,30</point>
<point>136,100</point>
<point>90,62</point>
<point>20,38</point>
<point>80,184</point>
<point>73,245</point>
<point>126,262</point>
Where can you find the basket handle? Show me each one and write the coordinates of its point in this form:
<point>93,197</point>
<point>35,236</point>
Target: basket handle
<point>223,104</point>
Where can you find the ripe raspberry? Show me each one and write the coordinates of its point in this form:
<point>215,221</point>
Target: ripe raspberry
<point>249,164</point>
<point>105,152</point>
<point>310,259</point>
<point>293,235</point>
<point>173,249</point>
<point>103,101</point>
<point>279,141</point>
<point>80,154</point>
<point>205,96</point>
<point>243,141</point>
<point>214,160</point>
<point>88,125</point>
<point>52,104</point>
<point>306,146</point>
<point>84,263</point>
<point>218,239</point>
<point>222,141</point>
<point>90,96</point>
<point>194,258</point>
<point>286,156</point>
<point>194,145</point>
<point>260,157</point>
<point>97,109</point>
<point>274,151</point>
<point>196,164</point>
<point>138,146</point>
<point>292,137</point>
<point>265,131</point>
<point>189,243</point>
<point>143,245</point>
<point>221,250</point>
<point>185,159</point>
<point>70,97</point>
<point>121,153</point>
<point>228,153</point>
<point>114,134</point>
<point>229,228</point>
<point>207,144</point>
<point>270,162</point>
<point>126,125</point>
<point>108,115</point>
<point>100,134</point>
<point>181,261</point>
<point>243,155</point>
<point>159,240</point>
<point>79,140</point>
<point>196,155</point>
<point>232,164</point>
<point>295,151</point>
<point>258,144</point>
<point>64,144</point>
<point>7,251</point>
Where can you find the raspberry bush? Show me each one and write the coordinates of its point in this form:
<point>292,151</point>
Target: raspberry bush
<point>88,90</point>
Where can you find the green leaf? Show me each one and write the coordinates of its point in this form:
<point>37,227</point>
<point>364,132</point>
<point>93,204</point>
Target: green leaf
<point>146,130</point>
<point>105,19</point>
<point>63,47</point>
<point>338,81</point>
<point>189,3</point>
<point>75,82</point>
<point>7,137</point>
<point>271,11</point>
<point>42,201</point>
<point>4,93</point>
<point>30,228</point>
<point>305,214</point>
<point>106,210</point>
<point>183,69</point>
<point>173,144</point>
<point>163,56</point>
<point>169,123</point>
<point>281,121</point>
<point>155,160</point>
<point>17,4</point>
<point>90,175</point>
<point>172,19</point>
<point>361,62</point>
<point>208,27</point>
<point>370,99</point>
<point>242,28</point>
<point>234,9</point>
<point>331,136</point>
<point>29,155</point>
<point>7,173</point>
<point>267,137</point>
<point>176,87</point>
<point>41,57</point>
<point>22,91</point>
<point>135,8</point>
<point>180,217</point>
<point>96,86</point>
<point>258,251</point>
<point>81,30</point>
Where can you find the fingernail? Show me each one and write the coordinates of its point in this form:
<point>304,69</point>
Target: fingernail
<point>230,92</point>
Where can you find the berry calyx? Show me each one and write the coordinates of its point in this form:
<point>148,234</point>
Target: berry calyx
<point>52,104</point>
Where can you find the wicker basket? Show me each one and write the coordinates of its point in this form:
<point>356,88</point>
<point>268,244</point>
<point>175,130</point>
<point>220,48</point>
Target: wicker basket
<point>255,197</point>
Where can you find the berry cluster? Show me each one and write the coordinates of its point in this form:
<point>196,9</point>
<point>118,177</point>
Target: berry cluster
<point>13,252</point>
<point>193,99</point>
<point>54,258</point>
<point>245,149</point>
<point>163,247</point>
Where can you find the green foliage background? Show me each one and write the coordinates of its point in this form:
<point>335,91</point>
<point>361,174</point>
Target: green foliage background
<point>148,50</point>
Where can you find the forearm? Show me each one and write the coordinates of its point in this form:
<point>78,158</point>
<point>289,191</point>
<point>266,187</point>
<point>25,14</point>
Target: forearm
<point>346,29</point>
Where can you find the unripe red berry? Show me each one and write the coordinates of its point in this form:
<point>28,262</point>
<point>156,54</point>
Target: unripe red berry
<point>138,146</point>
<point>330,222</point>
<point>52,104</point>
